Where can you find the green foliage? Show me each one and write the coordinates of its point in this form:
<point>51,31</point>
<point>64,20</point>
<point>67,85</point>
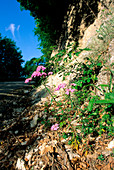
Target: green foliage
<point>45,37</point>
<point>95,119</point>
<point>10,60</point>
<point>109,99</point>
<point>101,157</point>
<point>48,20</point>
<point>108,96</point>
<point>30,66</point>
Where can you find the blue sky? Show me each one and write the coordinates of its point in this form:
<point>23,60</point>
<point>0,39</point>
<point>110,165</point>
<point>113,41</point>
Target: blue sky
<point>19,25</point>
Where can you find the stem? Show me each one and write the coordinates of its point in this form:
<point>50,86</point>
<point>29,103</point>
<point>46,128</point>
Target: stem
<point>53,155</point>
<point>52,95</point>
<point>70,100</point>
<point>71,103</point>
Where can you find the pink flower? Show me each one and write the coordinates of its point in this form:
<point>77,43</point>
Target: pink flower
<point>73,84</point>
<point>60,86</point>
<point>57,89</point>
<point>69,90</point>
<point>72,90</point>
<point>28,80</point>
<point>36,74</point>
<point>43,74</point>
<point>55,127</point>
<point>50,73</point>
<point>40,68</point>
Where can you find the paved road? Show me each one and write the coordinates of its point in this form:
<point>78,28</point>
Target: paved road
<point>6,88</point>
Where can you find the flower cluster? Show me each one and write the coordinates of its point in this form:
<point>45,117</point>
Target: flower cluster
<point>38,73</point>
<point>69,90</point>
<point>60,86</point>
<point>28,80</point>
<point>55,127</point>
<point>63,85</point>
<point>73,84</point>
<point>39,68</point>
<point>50,73</point>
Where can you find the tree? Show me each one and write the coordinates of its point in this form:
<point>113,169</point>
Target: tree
<point>10,60</point>
<point>30,66</point>
<point>49,17</point>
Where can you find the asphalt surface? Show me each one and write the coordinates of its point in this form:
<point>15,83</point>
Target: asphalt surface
<point>6,88</point>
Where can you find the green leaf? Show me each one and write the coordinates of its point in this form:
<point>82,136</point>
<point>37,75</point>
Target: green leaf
<point>70,55</point>
<point>65,59</point>
<point>101,157</point>
<point>43,122</point>
<point>103,85</point>
<point>69,142</point>
<point>77,53</point>
<point>88,80</point>
<point>99,64</point>
<point>90,130</point>
<point>69,119</point>
<point>51,101</point>
<point>112,71</point>
<point>90,106</point>
<point>63,78</point>
<point>61,124</point>
<point>95,113</point>
<point>104,102</point>
<point>109,95</point>
<point>65,135</point>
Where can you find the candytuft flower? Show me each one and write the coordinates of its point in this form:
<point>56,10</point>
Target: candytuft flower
<point>36,74</point>
<point>40,68</point>
<point>73,84</point>
<point>43,74</point>
<point>60,86</point>
<point>28,80</point>
<point>50,73</point>
<point>69,90</point>
<point>55,127</point>
<point>72,90</point>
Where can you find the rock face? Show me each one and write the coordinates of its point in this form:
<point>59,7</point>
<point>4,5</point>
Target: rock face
<point>81,21</point>
<point>104,75</point>
<point>111,52</point>
<point>80,15</point>
<point>88,37</point>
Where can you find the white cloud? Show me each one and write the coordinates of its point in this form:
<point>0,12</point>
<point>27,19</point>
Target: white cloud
<point>18,27</point>
<point>12,29</point>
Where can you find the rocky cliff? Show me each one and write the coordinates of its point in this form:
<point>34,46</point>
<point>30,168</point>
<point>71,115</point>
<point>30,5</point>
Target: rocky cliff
<point>89,24</point>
